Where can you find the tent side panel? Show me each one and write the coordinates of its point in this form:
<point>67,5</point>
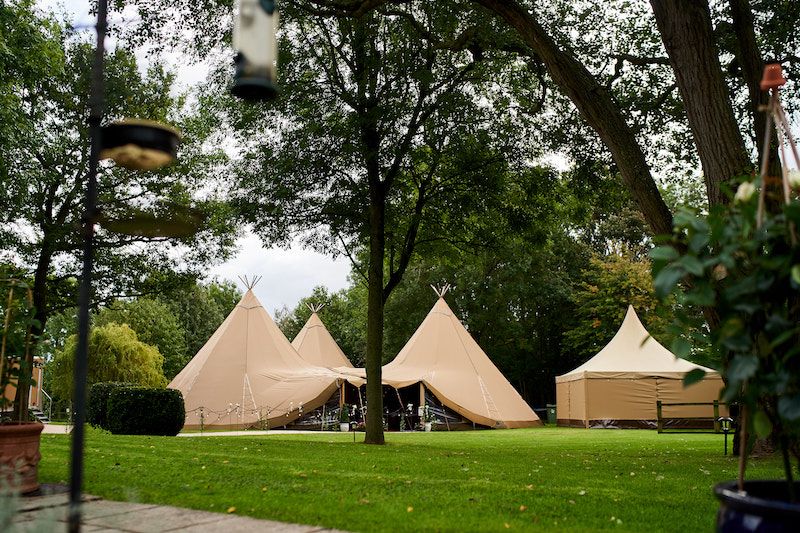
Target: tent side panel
<point>562,403</point>
<point>621,402</point>
<point>705,391</point>
<point>576,410</point>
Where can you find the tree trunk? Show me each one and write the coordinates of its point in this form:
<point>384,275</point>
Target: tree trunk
<point>41,315</point>
<point>749,58</point>
<point>374,356</point>
<point>370,148</point>
<point>685,27</point>
<point>596,106</point>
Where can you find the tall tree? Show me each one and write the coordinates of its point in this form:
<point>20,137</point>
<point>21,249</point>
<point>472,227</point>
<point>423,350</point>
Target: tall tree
<point>154,324</point>
<point>115,354</point>
<point>381,146</point>
<point>46,161</point>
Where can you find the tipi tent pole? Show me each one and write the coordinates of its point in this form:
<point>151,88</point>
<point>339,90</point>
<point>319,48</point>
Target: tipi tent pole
<point>402,407</point>
<point>361,403</point>
<point>421,394</point>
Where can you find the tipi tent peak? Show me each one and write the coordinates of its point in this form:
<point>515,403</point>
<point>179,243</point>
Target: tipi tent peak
<point>317,346</point>
<point>248,362</point>
<point>315,308</point>
<point>251,282</point>
<point>442,290</point>
<point>443,356</point>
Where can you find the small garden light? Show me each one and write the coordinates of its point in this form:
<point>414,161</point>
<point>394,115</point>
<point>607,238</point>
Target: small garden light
<point>726,423</point>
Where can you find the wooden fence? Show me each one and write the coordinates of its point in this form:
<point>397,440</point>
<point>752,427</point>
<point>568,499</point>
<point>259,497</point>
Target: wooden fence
<point>659,412</point>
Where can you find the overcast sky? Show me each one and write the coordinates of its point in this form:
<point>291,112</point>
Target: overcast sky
<point>287,275</point>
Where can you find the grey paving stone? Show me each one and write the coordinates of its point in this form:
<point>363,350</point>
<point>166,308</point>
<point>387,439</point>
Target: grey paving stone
<point>48,514</point>
<point>242,524</point>
<point>103,508</point>
<point>40,502</point>
<point>156,519</point>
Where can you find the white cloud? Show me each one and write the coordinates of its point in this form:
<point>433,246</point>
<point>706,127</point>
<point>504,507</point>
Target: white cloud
<point>287,275</point>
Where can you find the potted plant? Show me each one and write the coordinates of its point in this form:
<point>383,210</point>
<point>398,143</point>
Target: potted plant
<point>427,418</point>
<point>740,263</point>
<point>19,437</point>
<point>344,419</point>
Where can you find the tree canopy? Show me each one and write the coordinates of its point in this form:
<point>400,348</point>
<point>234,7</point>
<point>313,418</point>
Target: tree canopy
<point>45,161</point>
<point>154,324</point>
<point>115,354</point>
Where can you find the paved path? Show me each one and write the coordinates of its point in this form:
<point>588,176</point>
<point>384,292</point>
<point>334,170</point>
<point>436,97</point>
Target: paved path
<point>58,429</point>
<point>253,433</point>
<point>49,514</point>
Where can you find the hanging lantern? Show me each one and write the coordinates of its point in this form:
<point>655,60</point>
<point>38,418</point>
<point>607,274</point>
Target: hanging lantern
<point>255,41</point>
<point>139,144</point>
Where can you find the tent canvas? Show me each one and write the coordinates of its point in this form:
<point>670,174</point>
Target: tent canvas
<point>621,384</point>
<point>444,357</point>
<point>247,373</point>
<point>315,344</point>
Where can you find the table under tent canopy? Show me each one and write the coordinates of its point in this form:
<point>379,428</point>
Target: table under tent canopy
<point>620,385</point>
<point>442,358</point>
<point>249,375</point>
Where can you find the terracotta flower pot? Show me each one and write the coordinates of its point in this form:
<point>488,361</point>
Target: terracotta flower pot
<point>19,455</point>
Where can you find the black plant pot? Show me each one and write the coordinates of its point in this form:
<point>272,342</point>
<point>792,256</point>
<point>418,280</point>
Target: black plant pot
<point>763,507</point>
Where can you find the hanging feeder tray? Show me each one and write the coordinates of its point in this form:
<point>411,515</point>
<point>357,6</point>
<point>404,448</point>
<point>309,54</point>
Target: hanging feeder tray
<point>140,144</point>
<point>179,222</point>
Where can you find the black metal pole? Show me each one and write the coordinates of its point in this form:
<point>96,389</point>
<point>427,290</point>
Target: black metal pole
<point>84,297</point>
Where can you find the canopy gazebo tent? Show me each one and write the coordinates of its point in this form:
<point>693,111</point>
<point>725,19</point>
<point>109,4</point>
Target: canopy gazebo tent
<point>443,356</point>
<point>315,344</point>
<point>248,374</point>
<point>619,387</point>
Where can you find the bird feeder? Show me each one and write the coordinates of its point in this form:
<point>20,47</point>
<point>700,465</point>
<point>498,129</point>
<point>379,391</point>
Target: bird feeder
<point>255,41</point>
<point>139,144</point>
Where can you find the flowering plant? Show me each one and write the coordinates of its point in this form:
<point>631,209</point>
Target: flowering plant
<point>740,264</point>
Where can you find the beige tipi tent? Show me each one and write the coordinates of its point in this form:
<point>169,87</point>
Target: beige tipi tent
<point>315,344</point>
<point>620,385</point>
<point>444,357</point>
<point>248,373</point>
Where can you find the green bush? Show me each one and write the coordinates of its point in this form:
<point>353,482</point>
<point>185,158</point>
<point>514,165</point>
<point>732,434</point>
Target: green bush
<point>145,411</point>
<point>97,405</point>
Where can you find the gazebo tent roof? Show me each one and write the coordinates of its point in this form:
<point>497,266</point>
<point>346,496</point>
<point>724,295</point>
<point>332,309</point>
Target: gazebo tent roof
<point>249,362</point>
<point>315,344</point>
<point>633,354</point>
<point>444,356</point>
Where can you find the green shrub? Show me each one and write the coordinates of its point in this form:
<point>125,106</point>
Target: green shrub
<point>97,405</point>
<point>145,411</point>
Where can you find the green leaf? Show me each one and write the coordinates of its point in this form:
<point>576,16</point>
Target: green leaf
<point>692,265</point>
<point>681,347</point>
<point>693,376</point>
<point>789,407</point>
<point>796,274</point>
<point>698,241</point>
<point>702,294</point>
<point>762,425</point>
<point>664,253</point>
<point>666,280</point>
<point>742,367</point>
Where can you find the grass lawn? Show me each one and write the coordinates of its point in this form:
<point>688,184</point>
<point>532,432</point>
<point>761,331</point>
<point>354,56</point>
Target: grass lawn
<point>542,479</point>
